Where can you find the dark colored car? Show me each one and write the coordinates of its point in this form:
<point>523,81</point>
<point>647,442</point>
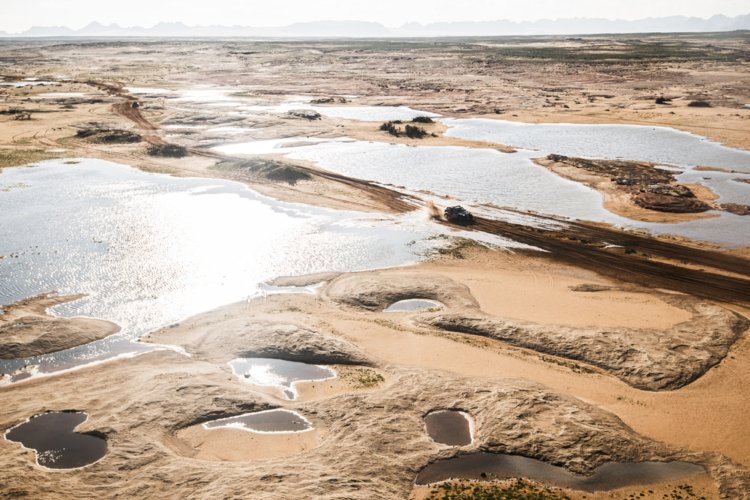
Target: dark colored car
<point>458,215</point>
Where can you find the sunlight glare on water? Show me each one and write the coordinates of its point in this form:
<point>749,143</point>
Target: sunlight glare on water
<point>149,250</point>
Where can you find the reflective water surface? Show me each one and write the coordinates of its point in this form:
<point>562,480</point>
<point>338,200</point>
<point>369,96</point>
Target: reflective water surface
<point>627,142</point>
<point>248,105</point>
<point>489,466</point>
<point>278,373</point>
<point>270,421</point>
<point>149,250</point>
<point>412,305</point>
<point>56,444</point>
<point>449,427</point>
<point>514,180</point>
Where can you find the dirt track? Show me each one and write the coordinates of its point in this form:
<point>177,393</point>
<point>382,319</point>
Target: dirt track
<point>583,245</point>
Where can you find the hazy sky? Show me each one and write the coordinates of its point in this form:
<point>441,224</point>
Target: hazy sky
<point>18,15</point>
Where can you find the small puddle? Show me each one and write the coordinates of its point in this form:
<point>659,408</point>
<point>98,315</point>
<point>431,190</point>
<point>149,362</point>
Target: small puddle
<point>60,95</point>
<point>57,446</point>
<point>19,85</point>
<point>274,146</point>
<point>279,373</point>
<point>489,466</point>
<point>450,427</point>
<point>413,305</point>
<point>264,422</point>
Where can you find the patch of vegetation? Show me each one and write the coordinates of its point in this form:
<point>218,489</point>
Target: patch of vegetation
<point>363,378</point>
<point>681,492</point>
<point>455,248</point>
<point>390,325</point>
<point>410,131</point>
<point>415,132</point>
<point>621,172</point>
<point>329,100</point>
<point>391,128</point>
<point>423,119</point>
<point>17,113</point>
<point>12,111</point>
<point>108,136</point>
<point>515,489</point>
<point>307,114</point>
<point>16,157</point>
<point>573,366</point>
<point>167,151</point>
<point>284,173</point>
<point>699,104</point>
<point>663,100</point>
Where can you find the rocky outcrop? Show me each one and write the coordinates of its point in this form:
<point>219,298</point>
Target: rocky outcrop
<point>263,169</point>
<point>104,135</point>
<point>167,151</point>
<point>649,187</point>
<point>623,173</point>
<point>647,359</point>
<point>736,208</point>
<point>669,203</point>
<point>377,290</point>
<point>263,339</point>
<point>305,114</point>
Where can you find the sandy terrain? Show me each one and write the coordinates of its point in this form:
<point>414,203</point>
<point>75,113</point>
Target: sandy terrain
<point>235,445</point>
<point>608,346</point>
<point>595,82</point>
<point>26,329</point>
<point>146,405</point>
<point>143,405</point>
<point>402,342</point>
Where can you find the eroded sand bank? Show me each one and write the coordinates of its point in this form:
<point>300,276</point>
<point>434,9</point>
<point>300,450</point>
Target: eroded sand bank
<point>26,329</point>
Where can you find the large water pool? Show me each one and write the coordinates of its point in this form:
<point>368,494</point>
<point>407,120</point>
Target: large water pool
<point>149,250</point>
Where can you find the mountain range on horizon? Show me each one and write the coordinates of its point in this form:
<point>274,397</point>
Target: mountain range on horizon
<point>366,29</point>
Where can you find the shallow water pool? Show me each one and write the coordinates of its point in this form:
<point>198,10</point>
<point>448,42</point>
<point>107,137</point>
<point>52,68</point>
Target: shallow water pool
<point>414,305</point>
<point>627,142</point>
<point>449,427</point>
<point>279,373</point>
<point>489,466</point>
<point>264,422</point>
<point>150,250</point>
<point>56,444</point>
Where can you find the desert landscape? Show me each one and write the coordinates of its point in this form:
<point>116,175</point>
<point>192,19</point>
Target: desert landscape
<point>230,260</point>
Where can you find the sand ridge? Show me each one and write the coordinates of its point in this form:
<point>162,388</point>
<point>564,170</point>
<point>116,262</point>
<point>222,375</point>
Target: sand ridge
<point>26,329</point>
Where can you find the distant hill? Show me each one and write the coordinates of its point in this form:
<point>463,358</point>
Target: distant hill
<point>364,29</point>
